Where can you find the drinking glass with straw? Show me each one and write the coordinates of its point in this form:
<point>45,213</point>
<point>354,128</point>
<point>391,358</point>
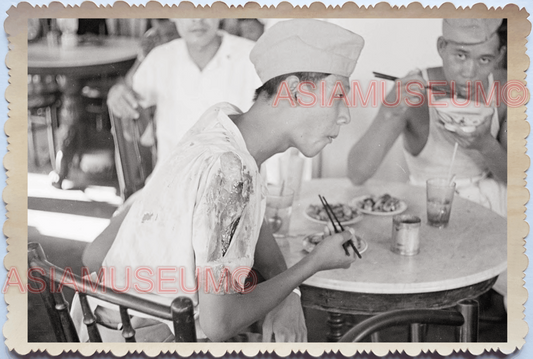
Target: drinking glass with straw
<point>279,208</point>
<point>440,193</point>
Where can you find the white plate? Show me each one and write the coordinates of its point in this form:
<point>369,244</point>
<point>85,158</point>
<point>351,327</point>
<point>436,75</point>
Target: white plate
<point>357,218</point>
<point>361,244</point>
<point>356,203</point>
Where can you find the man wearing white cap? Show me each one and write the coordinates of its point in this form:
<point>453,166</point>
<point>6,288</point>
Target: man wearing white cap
<point>472,52</point>
<point>204,206</point>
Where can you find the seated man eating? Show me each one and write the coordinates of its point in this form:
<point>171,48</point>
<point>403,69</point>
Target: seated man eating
<point>201,217</point>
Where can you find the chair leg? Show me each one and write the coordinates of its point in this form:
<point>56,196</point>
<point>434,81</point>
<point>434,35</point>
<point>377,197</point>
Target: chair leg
<point>53,315</point>
<point>128,333</point>
<point>416,333</point>
<point>50,114</point>
<point>469,331</point>
<point>32,151</point>
<point>89,319</point>
<point>62,308</point>
<point>375,338</point>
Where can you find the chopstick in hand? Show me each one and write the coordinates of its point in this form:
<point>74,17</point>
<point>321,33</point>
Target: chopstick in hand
<point>379,75</point>
<point>327,209</point>
<point>331,215</point>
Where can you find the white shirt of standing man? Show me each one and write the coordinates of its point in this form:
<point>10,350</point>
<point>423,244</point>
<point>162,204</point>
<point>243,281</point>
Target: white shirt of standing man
<point>184,77</point>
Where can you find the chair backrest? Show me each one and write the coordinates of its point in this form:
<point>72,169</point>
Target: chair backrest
<point>180,312</point>
<point>464,317</point>
<point>133,161</point>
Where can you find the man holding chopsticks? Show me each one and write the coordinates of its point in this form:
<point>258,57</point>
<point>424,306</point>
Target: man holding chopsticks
<point>472,52</point>
<point>202,211</point>
<point>473,61</point>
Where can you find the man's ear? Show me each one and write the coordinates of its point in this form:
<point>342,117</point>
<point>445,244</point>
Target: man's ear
<point>293,82</point>
<point>441,45</point>
<point>503,52</point>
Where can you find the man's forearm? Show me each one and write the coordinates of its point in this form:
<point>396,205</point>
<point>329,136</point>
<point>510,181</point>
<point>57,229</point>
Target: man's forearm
<point>269,260</point>
<point>496,158</point>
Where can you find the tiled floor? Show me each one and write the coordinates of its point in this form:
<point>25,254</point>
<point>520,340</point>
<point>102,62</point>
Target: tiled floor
<point>65,221</point>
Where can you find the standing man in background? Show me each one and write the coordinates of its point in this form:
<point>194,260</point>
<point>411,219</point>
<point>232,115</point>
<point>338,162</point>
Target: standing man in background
<point>184,77</point>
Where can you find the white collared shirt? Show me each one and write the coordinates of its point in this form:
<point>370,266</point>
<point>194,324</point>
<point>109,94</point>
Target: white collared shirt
<point>171,81</point>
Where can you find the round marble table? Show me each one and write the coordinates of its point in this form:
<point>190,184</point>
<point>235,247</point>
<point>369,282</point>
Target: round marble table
<point>108,55</point>
<point>455,263</point>
<point>74,66</point>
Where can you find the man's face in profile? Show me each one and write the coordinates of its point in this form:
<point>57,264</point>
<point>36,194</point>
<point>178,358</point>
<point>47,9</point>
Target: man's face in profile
<point>465,62</point>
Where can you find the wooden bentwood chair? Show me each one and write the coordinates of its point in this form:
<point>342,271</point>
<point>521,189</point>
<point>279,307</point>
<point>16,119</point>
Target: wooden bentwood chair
<point>180,312</point>
<point>464,317</point>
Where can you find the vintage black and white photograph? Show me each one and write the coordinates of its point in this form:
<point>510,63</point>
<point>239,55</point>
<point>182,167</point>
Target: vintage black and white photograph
<point>261,179</point>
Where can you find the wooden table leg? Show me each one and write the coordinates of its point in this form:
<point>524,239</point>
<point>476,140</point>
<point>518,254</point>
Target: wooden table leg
<point>336,326</point>
<point>70,120</point>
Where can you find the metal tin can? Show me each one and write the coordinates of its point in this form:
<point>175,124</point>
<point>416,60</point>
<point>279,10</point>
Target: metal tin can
<point>405,234</point>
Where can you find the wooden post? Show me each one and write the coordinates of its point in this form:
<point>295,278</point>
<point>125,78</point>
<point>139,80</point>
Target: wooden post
<point>336,326</point>
<point>35,252</point>
<point>183,318</point>
<point>127,330</point>
<point>89,320</point>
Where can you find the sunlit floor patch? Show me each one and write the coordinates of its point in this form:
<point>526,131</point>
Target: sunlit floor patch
<point>68,226</point>
<point>39,186</point>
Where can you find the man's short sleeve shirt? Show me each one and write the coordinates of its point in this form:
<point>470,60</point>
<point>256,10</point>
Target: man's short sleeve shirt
<point>198,220</point>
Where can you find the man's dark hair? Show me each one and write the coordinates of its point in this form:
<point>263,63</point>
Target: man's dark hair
<point>502,34</point>
<point>271,86</point>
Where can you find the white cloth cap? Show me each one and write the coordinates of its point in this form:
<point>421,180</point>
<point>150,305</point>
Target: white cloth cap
<point>306,45</point>
<point>469,31</point>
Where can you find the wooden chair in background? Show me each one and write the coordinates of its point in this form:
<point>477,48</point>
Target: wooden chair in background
<point>43,104</point>
<point>133,161</point>
<point>180,312</point>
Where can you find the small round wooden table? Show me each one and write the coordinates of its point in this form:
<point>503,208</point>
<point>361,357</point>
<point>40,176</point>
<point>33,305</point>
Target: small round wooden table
<point>110,56</point>
<point>461,261</point>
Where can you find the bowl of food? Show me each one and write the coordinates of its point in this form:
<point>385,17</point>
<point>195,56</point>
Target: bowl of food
<point>345,213</point>
<point>467,116</point>
<point>382,205</point>
<point>310,241</point>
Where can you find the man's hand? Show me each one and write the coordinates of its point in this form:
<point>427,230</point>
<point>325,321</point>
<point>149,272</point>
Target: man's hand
<point>478,139</point>
<point>329,253</point>
<point>286,322</point>
<point>122,101</point>
<point>406,93</point>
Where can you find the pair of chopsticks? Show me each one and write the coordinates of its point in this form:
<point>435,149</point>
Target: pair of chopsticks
<point>379,75</point>
<point>331,216</point>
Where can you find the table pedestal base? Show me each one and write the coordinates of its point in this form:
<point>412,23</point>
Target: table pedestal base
<point>338,304</point>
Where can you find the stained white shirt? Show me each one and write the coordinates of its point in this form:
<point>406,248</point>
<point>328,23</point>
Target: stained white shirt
<point>198,216</point>
<point>170,80</point>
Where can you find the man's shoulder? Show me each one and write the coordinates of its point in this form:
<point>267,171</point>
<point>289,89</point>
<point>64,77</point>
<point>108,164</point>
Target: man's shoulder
<point>167,48</point>
<point>237,44</point>
<point>436,73</point>
<point>500,76</point>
